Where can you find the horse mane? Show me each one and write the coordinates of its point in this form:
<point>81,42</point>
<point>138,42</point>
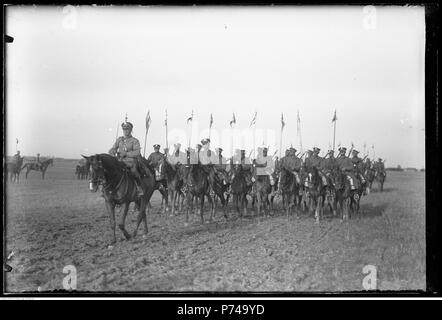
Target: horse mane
<point>111,162</point>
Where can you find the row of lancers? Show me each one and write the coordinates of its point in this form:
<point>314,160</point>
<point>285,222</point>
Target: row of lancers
<point>127,148</point>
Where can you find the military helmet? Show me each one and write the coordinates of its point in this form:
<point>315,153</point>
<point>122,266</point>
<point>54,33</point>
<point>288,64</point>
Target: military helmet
<point>156,146</point>
<point>316,149</point>
<point>342,149</point>
<point>205,141</point>
<point>127,125</point>
<point>219,150</point>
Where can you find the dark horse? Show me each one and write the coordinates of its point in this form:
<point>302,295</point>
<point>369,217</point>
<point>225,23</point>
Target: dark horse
<point>119,188</point>
<point>379,177</point>
<point>344,195</point>
<point>218,181</point>
<point>36,167</point>
<point>240,187</point>
<point>161,184</point>
<point>14,168</point>
<point>196,184</point>
<point>174,181</point>
<point>289,189</point>
<point>315,192</point>
<point>263,188</point>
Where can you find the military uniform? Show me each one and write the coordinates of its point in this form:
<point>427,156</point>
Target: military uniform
<point>292,163</point>
<point>155,158</point>
<point>359,166</point>
<point>207,156</point>
<point>127,148</point>
<point>177,157</point>
<point>379,166</point>
<point>265,166</point>
<point>345,164</point>
<point>328,164</point>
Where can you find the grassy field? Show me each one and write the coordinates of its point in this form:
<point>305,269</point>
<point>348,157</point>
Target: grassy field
<point>56,222</point>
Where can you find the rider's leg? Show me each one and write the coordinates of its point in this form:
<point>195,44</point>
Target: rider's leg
<point>138,182</point>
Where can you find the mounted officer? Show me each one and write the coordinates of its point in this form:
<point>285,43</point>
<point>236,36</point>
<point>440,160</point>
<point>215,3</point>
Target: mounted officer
<point>328,163</point>
<point>265,166</point>
<point>155,157</point>
<point>359,165</point>
<point>127,149</point>
<point>154,160</point>
<point>291,163</point>
<point>16,158</point>
<point>314,161</point>
<point>379,166</point>
<point>177,157</point>
<point>38,162</point>
<point>207,156</point>
<point>345,164</point>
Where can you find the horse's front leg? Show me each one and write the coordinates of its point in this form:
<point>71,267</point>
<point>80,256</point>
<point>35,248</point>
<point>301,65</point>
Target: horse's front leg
<point>173,198</point>
<point>141,216</point>
<point>212,205</point>
<point>121,225</point>
<point>111,212</point>
<point>201,209</point>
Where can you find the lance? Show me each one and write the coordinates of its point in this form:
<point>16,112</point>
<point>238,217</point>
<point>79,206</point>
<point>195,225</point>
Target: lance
<point>190,134</point>
<point>299,132</point>
<point>148,120</point>
<point>118,127</point>
<point>16,145</point>
<point>167,139</point>
<point>349,151</point>
<point>210,126</point>
<point>334,129</point>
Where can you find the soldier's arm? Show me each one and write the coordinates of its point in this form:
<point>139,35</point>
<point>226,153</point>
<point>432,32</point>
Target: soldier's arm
<point>114,148</point>
<point>136,149</point>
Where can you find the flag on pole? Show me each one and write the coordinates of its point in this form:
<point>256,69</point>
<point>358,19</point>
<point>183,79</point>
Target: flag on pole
<point>190,118</point>
<point>165,121</point>
<point>253,120</point>
<point>334,117</point>
<point>233,120</point>
<point>211,120</point>
<point>16,139</point>
<point>148,120</point>
<point>282,121</point>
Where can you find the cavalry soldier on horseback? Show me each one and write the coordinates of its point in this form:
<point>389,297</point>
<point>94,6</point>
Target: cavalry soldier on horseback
<point>38,162</point>
<point>315,161</point>
<point>177,157</point>
<point>16,158</point>
<point>308,154</point>
<point>154,160</point>
<point>367,164</point>
<point>292,163</point>
<point>265,166</point>
<point>359,165</point>
<point>155,157</point>
<point>379,166</point>
<point>127,149</point>
<point>345,164</point>
<point>207,156</point>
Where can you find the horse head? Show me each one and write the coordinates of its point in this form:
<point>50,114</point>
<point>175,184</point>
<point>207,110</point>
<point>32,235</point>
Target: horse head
<point>97,170</point>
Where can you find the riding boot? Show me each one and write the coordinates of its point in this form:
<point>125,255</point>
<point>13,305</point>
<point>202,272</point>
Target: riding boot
<point>138,184</point>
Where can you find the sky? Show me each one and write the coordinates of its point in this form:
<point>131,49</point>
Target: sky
<point>73,73</point>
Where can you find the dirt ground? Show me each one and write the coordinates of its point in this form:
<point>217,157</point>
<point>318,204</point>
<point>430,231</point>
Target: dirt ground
<point>56,222</point>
